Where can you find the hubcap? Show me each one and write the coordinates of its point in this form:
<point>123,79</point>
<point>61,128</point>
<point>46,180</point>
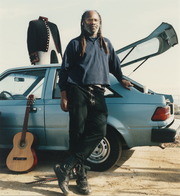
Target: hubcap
<point>101,152</point>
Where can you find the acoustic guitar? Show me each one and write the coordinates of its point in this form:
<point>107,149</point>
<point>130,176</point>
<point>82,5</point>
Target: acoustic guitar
<point>22,157</point>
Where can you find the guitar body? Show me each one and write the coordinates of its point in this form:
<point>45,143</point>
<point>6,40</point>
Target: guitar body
<point>22,158</point>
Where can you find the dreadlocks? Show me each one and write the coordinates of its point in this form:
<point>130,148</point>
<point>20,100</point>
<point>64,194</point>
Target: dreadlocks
<point>84,33</point>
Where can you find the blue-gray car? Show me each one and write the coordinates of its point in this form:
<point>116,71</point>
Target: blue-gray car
<point>138,117</point>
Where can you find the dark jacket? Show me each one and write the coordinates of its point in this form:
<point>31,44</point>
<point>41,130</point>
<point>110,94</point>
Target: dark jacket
<point>38,37</point>
<point>91,69</point>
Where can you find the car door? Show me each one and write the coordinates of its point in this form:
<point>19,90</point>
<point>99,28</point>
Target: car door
<point>15,87</point>
<point>56,120</point>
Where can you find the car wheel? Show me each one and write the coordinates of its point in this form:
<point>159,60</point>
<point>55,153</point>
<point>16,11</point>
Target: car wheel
<point>106,154</point>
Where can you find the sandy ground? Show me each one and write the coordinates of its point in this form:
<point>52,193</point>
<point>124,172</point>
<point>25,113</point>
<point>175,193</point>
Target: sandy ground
<point>141,171</point>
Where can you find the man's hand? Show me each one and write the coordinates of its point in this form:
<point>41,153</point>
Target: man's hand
<point>126,84</point>
<point>64,101</point>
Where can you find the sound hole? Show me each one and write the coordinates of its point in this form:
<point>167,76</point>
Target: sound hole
<point>19,158</point>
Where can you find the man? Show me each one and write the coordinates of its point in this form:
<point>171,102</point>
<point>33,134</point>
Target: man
<point>84,74</point>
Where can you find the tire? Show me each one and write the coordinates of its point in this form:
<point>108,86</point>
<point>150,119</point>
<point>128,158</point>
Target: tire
<point>106,154</point>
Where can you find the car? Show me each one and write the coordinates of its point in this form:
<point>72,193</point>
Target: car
<point>138,117</point>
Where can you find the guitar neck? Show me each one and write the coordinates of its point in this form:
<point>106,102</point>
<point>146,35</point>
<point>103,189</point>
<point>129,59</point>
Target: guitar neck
<point>25,124</point>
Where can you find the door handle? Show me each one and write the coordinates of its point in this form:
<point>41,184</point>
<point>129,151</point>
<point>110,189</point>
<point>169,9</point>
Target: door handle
<point>33,110</point>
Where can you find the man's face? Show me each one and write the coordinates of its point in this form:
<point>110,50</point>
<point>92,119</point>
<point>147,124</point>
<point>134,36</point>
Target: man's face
<point>92,23</point>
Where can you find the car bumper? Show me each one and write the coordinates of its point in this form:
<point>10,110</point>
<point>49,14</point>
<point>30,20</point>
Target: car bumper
<point>167,134</point>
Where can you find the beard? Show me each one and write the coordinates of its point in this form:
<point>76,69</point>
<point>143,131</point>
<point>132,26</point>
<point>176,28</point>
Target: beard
<point>91,30</point>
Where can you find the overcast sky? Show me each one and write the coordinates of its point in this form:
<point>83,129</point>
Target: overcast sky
<point>124,22</point>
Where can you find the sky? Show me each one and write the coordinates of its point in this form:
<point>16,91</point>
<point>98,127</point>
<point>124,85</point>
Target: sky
<point>123,22</point>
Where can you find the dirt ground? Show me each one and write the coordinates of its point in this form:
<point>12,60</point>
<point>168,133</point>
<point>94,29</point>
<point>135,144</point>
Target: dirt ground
<point>142,171</point>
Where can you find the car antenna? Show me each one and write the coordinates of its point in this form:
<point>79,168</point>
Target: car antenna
<point>138,66</point>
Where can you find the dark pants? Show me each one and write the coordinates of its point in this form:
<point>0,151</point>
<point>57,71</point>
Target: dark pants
<point>88,119</point>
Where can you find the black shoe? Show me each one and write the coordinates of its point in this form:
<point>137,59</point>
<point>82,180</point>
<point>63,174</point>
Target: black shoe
<point>83,186</point>
<point>63,179</point>
<point>82,183</point>
<point>63,171</point>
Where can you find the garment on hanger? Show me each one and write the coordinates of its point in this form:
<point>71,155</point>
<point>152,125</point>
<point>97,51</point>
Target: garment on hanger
<point>43,41</point>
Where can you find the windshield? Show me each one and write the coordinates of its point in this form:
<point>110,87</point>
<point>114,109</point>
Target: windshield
<point>18,85</point>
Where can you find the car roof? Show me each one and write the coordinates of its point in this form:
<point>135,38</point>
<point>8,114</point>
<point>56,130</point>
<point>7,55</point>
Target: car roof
<point>31,66</point>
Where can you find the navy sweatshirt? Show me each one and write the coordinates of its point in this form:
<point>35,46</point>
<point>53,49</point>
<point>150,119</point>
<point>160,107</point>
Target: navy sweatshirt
<point>91,69</point>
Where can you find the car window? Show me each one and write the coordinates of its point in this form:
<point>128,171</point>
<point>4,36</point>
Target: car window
<point>108,92</point>
<point>56,89</point>
<point>18,85</point>
<point>144,49</point>
<point>159,41</point>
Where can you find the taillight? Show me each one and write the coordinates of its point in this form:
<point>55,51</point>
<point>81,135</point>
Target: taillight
<point>161,114</point>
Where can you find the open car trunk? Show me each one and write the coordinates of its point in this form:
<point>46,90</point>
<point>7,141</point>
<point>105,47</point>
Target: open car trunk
<point>159,41</point>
